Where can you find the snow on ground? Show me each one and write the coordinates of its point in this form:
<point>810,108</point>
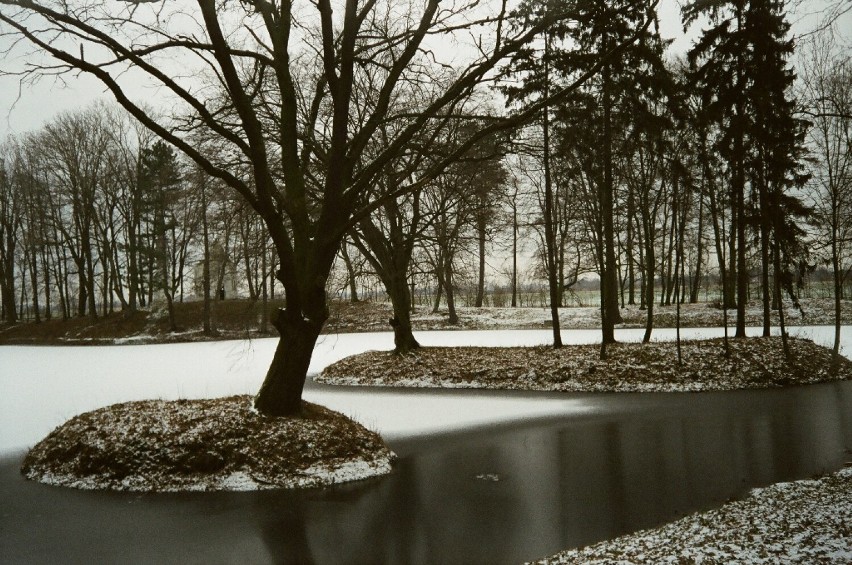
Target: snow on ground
<point>794,522</point>
<point>42,387</point>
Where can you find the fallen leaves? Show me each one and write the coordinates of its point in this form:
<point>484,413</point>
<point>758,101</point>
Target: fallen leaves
<point>651,367</point>
<point>216,444</point>
<point>806,521</point>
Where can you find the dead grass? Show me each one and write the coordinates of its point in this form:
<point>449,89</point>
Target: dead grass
<point>630,367</point>
<point>218,444</point>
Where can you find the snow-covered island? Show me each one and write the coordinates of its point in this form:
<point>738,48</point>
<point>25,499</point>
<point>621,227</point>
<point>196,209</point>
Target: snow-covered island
<point>218,444</point>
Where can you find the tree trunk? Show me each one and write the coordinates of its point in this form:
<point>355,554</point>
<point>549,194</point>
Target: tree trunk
<point>133,256</point>
<point>643,281</point>
<point>82,289</point>
<point>631,274</point>
<point>549,229</point>
<point>264,307</point>
<point>767,291</point>
<point>7,280</point>
<point>450,292</point>
<point>609,283</point>
<point>205,234</point>
<point>764,275</point>
<point>162,256</point>
<point>648,278</point>
<point>669,258</point>
<point>403,336</point>
<point>34,280</point>
<point>838,292</point>
<point>480,283</point>
<point>90,275</point>
<point>777,270</point>
<point>742,272</point>
<point>61,275</point>
<point>439,287</point>
<point>281,391</point>
<point>699,252</point>
<point>350,273</point>
<point>514,255</point>
<point>738,187</point>
<point>45,271</point>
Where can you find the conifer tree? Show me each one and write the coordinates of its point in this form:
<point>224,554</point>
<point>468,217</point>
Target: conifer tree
<point>160,179</point>
<point>616,37</point>
<point>740,66</point>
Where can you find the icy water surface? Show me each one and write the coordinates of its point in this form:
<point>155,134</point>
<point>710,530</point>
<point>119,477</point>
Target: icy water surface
<point>499,494</point>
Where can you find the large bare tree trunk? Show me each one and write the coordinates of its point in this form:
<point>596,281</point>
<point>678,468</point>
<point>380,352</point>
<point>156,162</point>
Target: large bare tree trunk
<point>281,391</point>
<point>403,336</point>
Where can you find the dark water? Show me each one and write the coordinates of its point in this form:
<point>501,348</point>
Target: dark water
<point>490,496</point>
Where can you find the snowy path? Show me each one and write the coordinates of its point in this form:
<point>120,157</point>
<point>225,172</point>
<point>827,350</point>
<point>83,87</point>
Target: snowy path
<point>41,387</point>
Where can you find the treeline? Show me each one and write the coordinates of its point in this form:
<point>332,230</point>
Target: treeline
<point>98,216</point>
<point>661,169</point>
<point>659,176</point>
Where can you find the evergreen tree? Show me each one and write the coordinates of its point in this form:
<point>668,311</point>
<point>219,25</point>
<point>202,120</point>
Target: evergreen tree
<point>618,36</point>
<point>739,65</point>
<point>777,141</point>
<point>541,67</point>
<point>718,60</point>
<point>160,181</point>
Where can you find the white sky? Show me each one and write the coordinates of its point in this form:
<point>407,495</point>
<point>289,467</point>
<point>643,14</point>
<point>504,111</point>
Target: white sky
<point>26,109</point>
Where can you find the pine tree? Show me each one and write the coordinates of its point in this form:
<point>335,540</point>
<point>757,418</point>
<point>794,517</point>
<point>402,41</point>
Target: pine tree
<point>540,69</point>
<point>159,182</point>
<point>777,141</point>
<point>739,65</point>
<point>718,61</point>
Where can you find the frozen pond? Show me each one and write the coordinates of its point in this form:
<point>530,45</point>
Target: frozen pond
<point>41,387</point>
<point>483,477</point>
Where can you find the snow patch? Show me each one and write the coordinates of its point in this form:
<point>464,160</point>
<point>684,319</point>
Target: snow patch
<point>797,522</point>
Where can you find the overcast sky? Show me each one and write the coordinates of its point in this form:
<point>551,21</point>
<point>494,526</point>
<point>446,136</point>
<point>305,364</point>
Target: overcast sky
<point>27,108</point>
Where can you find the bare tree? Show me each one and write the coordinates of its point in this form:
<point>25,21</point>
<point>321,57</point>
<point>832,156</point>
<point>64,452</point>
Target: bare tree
<point>284,110</point>
<point>10,225</point>
<point>826,91</point>
<point>74,155</point>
